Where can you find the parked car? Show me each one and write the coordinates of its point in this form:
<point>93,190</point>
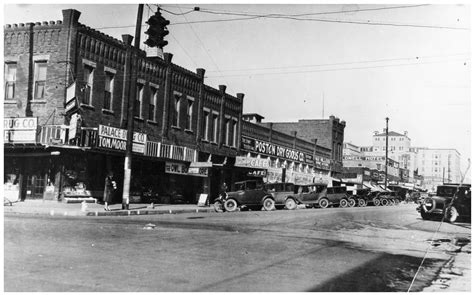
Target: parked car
<point>309,195</point>
<point>281,194</point>
<point>249,194</point>
<point>451,202</point>
<point>335,196</point>
<point>358,196</point>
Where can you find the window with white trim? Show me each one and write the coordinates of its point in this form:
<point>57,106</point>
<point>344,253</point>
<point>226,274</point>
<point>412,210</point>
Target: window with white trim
<point>177,105</point>
<point>152,105</point>
<point>234,132</point>
<point>108,90</point>
<point>40,79</point>
<point>88,83</point>
<point>215,126</point>
<point>137,108</point>
<point>189,114</point>
<point>10,80</point>
<point>205,124</point>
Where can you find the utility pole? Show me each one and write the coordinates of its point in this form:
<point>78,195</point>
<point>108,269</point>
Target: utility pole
<point>386,152</point>
<point>131,81</point>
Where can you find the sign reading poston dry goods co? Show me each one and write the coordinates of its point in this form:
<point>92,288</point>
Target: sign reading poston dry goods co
<point>116,139</point>
<point>270,149</point>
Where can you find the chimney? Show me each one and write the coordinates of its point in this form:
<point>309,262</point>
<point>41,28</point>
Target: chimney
<point>405,133</point>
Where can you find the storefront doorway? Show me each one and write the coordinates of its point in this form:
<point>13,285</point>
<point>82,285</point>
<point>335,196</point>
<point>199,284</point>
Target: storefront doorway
<point>35,185</point>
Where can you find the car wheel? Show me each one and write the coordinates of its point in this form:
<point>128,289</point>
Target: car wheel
<point>268,204</point>
<point>451,214</point>
<point>290,204</point>
<point>343,203</point>
<point>218,206</point>
<point>384,202</point>
<point>352,202</point>
<point>323,203</point>
<point>376,202</point>
<point>230,205</point>
<point>361,203</point>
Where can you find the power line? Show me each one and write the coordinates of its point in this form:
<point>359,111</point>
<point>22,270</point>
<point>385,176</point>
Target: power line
<point>202,43</point>
<point>326,70</point>
<point>342,63</point>
<point>308,14</point>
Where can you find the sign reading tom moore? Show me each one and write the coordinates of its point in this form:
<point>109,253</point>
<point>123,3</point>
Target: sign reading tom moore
<point>113,138</point>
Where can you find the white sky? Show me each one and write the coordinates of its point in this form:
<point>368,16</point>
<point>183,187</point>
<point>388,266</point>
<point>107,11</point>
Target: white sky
<point>417,76</point>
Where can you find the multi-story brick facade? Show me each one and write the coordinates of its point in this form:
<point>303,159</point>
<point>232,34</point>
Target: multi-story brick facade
<point>329,133</point>
<point>66,74</point>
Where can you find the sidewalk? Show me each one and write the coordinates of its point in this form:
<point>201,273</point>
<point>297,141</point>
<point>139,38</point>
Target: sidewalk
<point>455,276</point>
<point>41,207</point>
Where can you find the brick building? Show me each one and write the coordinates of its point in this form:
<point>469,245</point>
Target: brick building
<point>285,157</point>
<point>67,95</point>
<point>329,134</point>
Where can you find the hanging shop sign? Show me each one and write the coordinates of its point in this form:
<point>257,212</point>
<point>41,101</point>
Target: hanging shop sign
<point>71,101</point>
<point>20,130</point>
<point>116,139</point>
<point>248,162</point>
<point>270,149</point>
<point>257,173</point>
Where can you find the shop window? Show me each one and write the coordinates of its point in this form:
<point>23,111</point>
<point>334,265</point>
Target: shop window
<point>137,108</point>
<point>152,105</point>
<point>10,80</point>
<point>108,90</point>
<point>88,83</point>
<point>40,79</point>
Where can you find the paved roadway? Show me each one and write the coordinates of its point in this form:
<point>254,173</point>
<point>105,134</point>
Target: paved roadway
<point>334,249</point>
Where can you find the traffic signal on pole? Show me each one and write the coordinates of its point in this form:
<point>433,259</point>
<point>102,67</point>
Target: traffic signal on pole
<point>157,30</point>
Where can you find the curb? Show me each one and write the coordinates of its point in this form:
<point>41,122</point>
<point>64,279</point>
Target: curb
<point>116,212</point>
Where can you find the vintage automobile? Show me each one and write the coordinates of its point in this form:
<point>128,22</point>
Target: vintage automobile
<point>249,194</point>
<point>451,202</point>
<point>282,194</point>
<point>309,195</point>
<point>335,196</point>
<point>358,196</point>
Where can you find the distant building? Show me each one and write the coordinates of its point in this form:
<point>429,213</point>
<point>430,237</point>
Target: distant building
<point>438,166</point>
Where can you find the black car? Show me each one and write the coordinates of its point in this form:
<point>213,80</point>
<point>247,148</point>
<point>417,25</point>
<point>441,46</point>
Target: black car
<point>249,194</point>
<point>451,202</point>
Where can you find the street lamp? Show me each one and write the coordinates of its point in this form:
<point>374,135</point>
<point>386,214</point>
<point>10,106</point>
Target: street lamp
<point>386,152</point>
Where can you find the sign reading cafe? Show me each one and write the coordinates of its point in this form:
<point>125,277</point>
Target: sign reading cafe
<point>116,139</point>
<point>270,149</point>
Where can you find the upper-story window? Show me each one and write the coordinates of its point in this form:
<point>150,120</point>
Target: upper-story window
<point>108,90</point>
<point>88,83</point>
<point>10,80</point>
<point>234,132</point>
<point>215,126</point>
<point>189,113</point>
<point>227,140</point>
<point>137,108</point>
<point>205,131</point>
<point>40,79</point>
<point>177,106</point>
<point>152,105</point>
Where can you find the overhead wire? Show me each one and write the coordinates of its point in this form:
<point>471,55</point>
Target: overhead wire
<point>343,63</point>
<point>328,70</point>
<point>202,43</point>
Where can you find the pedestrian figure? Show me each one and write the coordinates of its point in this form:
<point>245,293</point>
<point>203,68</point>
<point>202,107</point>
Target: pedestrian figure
<point>110,187</point>
<point>224,189</point>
